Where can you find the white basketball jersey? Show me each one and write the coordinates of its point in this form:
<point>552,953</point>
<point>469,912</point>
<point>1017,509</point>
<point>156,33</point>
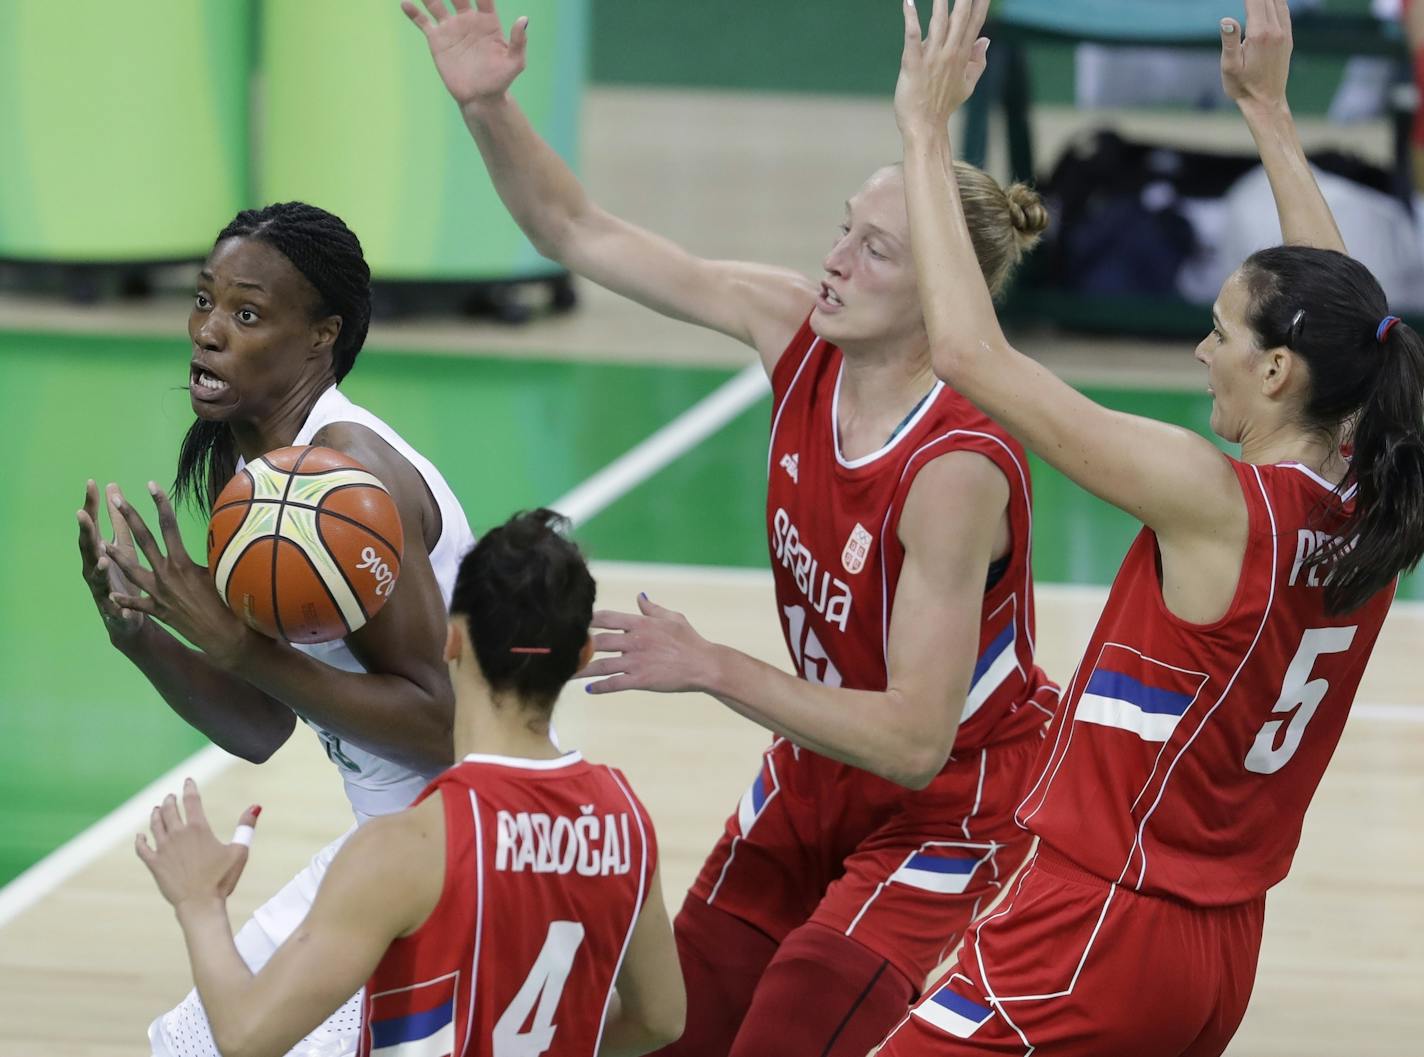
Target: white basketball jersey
<point>377,786</point>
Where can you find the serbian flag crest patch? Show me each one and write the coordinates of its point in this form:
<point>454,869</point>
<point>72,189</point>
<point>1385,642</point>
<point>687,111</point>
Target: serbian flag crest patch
<point>1136,693</point>
<point>415,1021</point>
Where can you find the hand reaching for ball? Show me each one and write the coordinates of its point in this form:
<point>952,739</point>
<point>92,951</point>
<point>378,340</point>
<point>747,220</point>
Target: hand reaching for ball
<point>173,588</point>
<point>101,573</point>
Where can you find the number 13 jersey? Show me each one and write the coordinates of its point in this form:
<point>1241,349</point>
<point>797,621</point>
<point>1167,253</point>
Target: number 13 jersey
<point>547,865</point>
<point>1184,755</point>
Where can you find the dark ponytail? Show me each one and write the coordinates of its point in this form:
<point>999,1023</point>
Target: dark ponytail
<point>1367,390</point>
<point>329,256</point>
<point>1388,466</point>
<point>527,597</point>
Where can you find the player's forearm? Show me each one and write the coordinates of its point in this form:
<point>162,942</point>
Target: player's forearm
<point>1305,217</point>
<point>881,732</point>
<point>536,186</point>
<point>627,1034</point>
<point>962,324</point>
<point>390,715</point>
<point>223,980</point>
<point>232,713</point>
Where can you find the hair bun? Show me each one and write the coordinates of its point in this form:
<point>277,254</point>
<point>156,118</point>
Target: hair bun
<point>1027,213</point>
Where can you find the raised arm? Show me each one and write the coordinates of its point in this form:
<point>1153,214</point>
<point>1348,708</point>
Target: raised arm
<point>1170,478</point>
<point>1254,72</point>
<point>400,708</point>
<point>904,733</point>
<point>649,1004</point>
<point>758,305</point>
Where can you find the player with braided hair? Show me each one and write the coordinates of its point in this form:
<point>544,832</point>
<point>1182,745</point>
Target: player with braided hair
<point>279,316</point>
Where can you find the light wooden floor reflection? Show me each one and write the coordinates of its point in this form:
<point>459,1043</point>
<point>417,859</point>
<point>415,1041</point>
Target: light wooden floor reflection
<point>1341,971</point>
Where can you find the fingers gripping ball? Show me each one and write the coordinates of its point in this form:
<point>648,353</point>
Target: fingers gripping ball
<point>305,544</point>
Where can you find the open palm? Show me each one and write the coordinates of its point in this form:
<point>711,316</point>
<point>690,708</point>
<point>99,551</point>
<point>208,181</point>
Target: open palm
<point>471,54</point>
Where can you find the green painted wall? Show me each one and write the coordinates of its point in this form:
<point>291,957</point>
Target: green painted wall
<point>829,46</point>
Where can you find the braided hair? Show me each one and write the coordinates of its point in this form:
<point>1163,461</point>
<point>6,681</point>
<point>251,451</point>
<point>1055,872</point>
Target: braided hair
<point>328,254</point>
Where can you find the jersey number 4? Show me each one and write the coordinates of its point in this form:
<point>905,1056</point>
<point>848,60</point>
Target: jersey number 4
<point>544,985</point>
<point>1300,697</point>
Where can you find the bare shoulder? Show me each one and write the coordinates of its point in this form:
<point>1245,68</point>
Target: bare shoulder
<point>400,853</point>
<point>367,447</point>
<point>401,479</point>
<point>778,301</point>
<point>958,485</point>
<point>401,843</point>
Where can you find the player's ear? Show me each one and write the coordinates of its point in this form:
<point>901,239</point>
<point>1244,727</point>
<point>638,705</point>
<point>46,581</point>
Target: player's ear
<point>586,654</point>
<point>454,644</point>
<point>325,331</point>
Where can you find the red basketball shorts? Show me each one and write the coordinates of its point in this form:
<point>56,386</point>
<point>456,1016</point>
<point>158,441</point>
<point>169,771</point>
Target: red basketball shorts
<point>1073,966</point>
<point>901,872</point>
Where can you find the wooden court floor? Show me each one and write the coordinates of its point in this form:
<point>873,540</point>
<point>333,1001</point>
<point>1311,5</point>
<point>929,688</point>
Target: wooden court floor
<point>83,971</point>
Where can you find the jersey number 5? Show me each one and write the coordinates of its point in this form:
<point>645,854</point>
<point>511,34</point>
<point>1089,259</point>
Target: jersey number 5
<point>1300,696</point>
<point>545,985</point>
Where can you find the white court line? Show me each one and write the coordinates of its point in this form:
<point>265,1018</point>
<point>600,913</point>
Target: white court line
<point>615,480</point>
<point>680,435</point>
<point>124,821</point>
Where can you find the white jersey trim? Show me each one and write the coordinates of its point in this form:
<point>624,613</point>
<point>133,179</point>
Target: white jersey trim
<point>786,399</point>
<point>1347,494</point>
<point>524,763</point>
<point>479,918</point>
<point>926,403</point>
<point>645,877</point>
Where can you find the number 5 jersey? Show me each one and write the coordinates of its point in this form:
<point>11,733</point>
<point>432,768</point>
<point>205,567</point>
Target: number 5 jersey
<point>1199,746</point>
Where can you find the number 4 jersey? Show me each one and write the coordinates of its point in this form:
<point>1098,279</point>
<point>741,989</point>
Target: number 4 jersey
<point>1184,756</point>
<point>547,863</point>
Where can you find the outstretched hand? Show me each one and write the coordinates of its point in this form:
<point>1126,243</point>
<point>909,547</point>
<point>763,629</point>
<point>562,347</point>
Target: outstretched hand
<point>939,72</point>
<point>186,858</point>
<point>654,649</point>
<point>173,588</point>
<point>471,54</point>
<point>1254,70</point>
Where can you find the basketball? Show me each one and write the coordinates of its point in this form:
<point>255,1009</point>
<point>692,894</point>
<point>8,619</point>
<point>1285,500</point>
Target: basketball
<point>305,544</point>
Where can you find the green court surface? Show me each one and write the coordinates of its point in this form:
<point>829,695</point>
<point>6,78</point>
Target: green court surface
<point>83,731</point>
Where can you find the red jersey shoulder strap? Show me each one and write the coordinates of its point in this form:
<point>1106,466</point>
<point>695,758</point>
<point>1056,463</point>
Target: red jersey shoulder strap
<point>793,359</point>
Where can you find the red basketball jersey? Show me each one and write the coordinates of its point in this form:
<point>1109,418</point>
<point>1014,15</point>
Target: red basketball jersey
<point>547,865</point>
<point>1184,756</point>
<point>832,524</point>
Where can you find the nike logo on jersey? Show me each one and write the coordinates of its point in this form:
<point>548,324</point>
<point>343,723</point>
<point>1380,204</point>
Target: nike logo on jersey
<point>1307,542</point>
<point>829,595</point>
<point>791,464</point>
<point>590,845</point>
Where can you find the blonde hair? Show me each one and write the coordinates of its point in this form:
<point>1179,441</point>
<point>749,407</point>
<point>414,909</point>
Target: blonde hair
<point>1004,223</point>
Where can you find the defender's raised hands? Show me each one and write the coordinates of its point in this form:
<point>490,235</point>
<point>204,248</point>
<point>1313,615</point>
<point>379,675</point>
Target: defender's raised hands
<point>939,72</point>
<point>1254,70</point>
<point>471,53</point>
